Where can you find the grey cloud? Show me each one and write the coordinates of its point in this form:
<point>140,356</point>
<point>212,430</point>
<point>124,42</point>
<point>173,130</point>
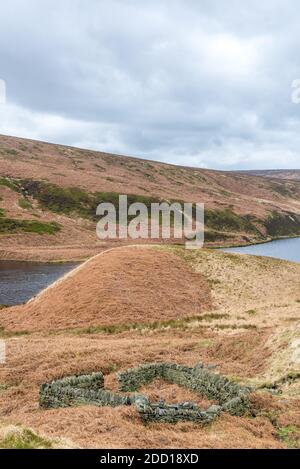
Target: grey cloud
<point>201,83</point>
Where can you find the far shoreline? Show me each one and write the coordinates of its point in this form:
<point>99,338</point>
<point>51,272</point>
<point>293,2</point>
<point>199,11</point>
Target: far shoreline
<point>61,255</point>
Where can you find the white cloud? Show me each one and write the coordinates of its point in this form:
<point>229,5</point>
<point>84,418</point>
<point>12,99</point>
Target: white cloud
<point>198,83</point>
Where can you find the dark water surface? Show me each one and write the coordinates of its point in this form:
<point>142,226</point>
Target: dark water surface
<point>20,281</point>
<point>288,249</point>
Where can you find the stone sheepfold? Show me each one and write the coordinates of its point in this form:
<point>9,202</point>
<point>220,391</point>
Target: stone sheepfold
<point>89,390</point>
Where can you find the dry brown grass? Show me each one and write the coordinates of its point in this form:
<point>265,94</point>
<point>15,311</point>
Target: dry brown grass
<point>126,285</point>
<point>172,393</point>
<point>121,428</point>
<point>265,292</point>
<point>36,359</point>
<point>95,171</point>
<point>251,290</point>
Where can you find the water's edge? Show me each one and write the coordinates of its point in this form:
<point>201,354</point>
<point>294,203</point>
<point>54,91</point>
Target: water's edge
<point>285,249</point>
<point>22,280</point>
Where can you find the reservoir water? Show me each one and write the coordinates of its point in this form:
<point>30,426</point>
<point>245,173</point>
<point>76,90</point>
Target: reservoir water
<point>20,281</point>
<point>288,249</point>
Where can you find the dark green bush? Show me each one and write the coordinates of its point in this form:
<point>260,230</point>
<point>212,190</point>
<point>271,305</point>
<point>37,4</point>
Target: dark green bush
<point>283,224</point>
<point>227,220</point>
<point>11,226</point>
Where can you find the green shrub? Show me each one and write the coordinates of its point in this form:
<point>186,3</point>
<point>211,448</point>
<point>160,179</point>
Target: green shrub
<point>10,226</point>
<point>8,182</point>
<point>286,190</point>
<point>227,220</point>
<point>25,204</point>
<point>12,152</point>
<point>24,439</point>
<point>283,224</point>
<point>73,200</point>
<point>58,199</point>
<point>212,235</point>
<point>290,435</point>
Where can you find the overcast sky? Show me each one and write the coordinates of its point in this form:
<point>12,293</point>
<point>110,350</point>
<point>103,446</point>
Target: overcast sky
<point>196,82</point>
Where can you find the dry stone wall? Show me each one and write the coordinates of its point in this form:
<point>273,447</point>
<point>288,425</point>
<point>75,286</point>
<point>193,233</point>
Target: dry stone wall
<point>79,390</point>
<point>231,397</point>
<point>89,390</point>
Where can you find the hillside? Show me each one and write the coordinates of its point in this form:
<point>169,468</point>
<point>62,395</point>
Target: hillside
<point>118,287</point>
<point>248,328</point>
<point>288,174</point>
<point>49,194</point>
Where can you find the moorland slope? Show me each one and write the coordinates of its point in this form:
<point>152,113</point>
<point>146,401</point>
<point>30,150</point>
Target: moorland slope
<point>251,333</point>
<point>49,194</point>
<point>119,287</point>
